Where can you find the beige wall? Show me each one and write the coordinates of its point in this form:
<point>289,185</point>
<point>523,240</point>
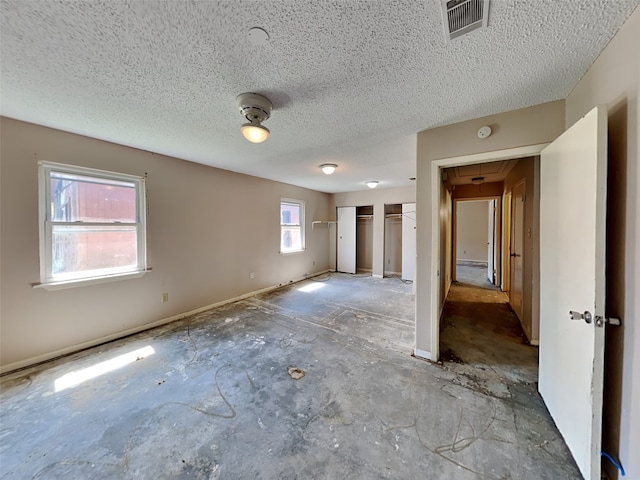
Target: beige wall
<point>207,230</point>
<point>614,80</point>
<point>378,198</point>
<point>528,126</point>
<point>472,225</point>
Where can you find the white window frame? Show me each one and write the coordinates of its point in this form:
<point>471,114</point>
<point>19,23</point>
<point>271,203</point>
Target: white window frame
<point>300,203</point>
<point>55,282</point>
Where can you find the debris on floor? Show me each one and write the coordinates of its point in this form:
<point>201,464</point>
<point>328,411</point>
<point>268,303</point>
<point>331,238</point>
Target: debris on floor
<point>295,373</point>
<point>449,356</point>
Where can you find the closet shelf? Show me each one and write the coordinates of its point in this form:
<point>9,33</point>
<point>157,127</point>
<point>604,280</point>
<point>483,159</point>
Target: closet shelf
<point>320,222</point>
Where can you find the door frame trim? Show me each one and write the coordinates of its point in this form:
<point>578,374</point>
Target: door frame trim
<point>436,187</point>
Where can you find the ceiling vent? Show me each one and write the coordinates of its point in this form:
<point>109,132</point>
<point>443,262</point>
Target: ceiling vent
<point>464,16</point>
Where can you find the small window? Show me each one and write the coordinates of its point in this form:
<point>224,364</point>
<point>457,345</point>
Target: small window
<point>92,224</point>
<point>291,226</point>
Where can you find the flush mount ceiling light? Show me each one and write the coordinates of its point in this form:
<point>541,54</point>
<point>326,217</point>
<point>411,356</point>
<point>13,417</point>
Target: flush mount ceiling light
<point>477,180</point>
<point>328,168</point>
<point>255,108</point>
<point>372,183</point>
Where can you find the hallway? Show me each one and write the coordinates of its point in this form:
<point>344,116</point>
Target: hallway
<point>481,338</point>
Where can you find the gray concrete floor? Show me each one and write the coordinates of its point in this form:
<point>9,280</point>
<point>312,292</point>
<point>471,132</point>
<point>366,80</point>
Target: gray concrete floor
<point>215,400</point>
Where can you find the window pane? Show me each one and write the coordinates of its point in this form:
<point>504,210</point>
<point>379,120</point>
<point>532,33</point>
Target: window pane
<point>81,198</point>
<point>291,239</point>
<point>290,213</point>
<point>77,249</point>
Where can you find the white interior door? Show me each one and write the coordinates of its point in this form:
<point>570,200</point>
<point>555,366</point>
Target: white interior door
<point>491,241</point>
<point>347,239</point>
<point>516,293</point>
<point>572,254</point>
<point>408,240</point>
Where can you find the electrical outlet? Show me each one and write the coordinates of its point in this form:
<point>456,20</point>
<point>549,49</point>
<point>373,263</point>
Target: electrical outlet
<point>252,275</point>
<point>314,263</point>
<point>165,297</point>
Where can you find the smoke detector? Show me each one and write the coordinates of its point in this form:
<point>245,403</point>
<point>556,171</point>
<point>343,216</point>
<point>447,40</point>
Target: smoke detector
<point>464,16</point>
<point>256,109</point>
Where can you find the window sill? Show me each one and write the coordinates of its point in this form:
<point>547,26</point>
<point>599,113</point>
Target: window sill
<point>82,282</point>
<point>293,252</point>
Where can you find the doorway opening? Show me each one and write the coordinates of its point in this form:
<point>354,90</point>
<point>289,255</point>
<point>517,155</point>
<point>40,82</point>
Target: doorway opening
<point>364,239</point>
<point>477,240</point>
<point>495,181</point>
<point>400,241</point>
<point>393,240</point>
<point>483,317</point>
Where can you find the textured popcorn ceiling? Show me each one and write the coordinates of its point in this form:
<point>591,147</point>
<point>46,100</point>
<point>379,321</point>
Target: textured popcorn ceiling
<point>351,81</point>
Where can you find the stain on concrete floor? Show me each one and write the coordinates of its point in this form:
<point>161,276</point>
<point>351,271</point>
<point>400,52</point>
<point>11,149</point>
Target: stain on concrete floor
<point>215,401</point>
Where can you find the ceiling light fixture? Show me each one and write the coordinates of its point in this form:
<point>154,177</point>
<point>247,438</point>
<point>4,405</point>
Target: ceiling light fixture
<point>255,108</point>
<point>372,183</point>
<point>477,180</point>
<point>328,168</point>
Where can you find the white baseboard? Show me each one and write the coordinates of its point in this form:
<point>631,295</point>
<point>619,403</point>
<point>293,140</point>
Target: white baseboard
<point>422,354</point>
<point>535,343</point>
<point>147,326</point>
<point>377,276</point>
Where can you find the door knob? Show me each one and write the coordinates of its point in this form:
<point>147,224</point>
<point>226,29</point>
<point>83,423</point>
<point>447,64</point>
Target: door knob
<point>586,316</point>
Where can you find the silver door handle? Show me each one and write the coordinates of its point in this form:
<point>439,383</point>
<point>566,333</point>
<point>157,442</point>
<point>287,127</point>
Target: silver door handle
<point>586,316</point>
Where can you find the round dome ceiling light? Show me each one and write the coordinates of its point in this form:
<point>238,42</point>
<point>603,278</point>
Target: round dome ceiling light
<point>328,168</point>
<point>372,183</point>
<point>256,109</point>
